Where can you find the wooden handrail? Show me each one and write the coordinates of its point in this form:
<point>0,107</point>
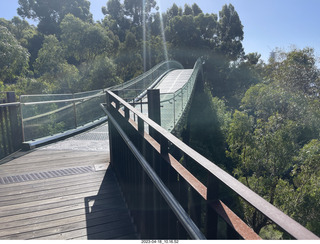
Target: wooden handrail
<point>274,214</point>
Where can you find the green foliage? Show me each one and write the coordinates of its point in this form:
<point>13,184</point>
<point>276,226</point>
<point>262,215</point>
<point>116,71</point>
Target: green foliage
<point>50,13</point>
<point>274,142</point>
<point>50,57</point>
<point>13,57</point>
<point>83,41</point>
<point>190,35</point>
<point>115,19</point>
<point>297,71</point>
<point>270,140</point>
<point>129,61</point>
<point>207,135</point>
<point>102,74</point>
<point>68,79</point>
<point>1,86</point>
<point>21,29</point>
<point>27,85</point>
<point>230,33</point>
<point>135,9</point>
<point>306,179</point>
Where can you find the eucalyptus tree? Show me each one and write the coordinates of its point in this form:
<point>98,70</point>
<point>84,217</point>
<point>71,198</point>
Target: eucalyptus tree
<point>50,13</point>
<point>230,33</point>
<point>50,57</point>
<point>129,61</point>
<point>13,57</point>
<point>137,9</point>
<point>274,140</point>
<point>83,41</point>
<point>297,70</point>
<point>115,18</point>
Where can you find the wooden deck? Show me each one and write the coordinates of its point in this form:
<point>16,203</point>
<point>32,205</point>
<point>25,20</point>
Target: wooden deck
<point>62,194</point>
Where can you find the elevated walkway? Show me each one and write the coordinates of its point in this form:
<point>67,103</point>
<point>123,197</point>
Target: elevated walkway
<point>174,80</point>
<point>78,189</point>
<point>66,190</point>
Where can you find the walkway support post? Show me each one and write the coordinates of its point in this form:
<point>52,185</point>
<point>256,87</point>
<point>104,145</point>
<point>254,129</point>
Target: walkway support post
<point>11,132</point>
<point>14,126</point>
<point>154,109</point>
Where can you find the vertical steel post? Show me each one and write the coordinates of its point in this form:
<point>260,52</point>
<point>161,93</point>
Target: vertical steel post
<point>2,124</point>
<point>154,109</point>
<point>110,129</point>
<point>212,216</point>
<point>154,105</point>
<point>16,132</point>
<point>74,112</point>
<point>22,123</point>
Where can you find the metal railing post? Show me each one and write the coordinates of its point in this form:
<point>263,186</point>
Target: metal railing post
<point>154,109</point>
<point>74,112</point>
<point>16,133</point>
<point>2,124</point>
<point>212,216</point>
<point>174,109</point>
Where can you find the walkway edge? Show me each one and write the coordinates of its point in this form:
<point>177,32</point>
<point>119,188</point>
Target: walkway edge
<point>49,139</point>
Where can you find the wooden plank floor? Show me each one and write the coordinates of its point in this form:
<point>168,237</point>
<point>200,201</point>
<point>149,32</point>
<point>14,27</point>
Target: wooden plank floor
<point>67,203</point>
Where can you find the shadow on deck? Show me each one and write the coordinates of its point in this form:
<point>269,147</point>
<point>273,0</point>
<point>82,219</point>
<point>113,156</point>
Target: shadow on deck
<point>106,213</point>
<point>58,193</point>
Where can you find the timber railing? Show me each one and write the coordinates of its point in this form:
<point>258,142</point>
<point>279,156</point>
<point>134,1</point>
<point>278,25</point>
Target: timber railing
<point>165,199</point>
<point>11,133</point>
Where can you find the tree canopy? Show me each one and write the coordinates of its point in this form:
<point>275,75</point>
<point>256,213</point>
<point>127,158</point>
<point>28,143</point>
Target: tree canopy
<point>50,13</point>
<point>13,57</point>
<point>260,121</point>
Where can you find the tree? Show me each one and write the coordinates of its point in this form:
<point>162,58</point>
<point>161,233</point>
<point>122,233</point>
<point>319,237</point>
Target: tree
<point>136,9</point>
<point>102,74</point>
<point>230,33</point>
<point>129,61</point>
<point>68,79</point>
<point>21,29</point>
<point>185,37</point>
<point>174,11</point>
<point>13,57</point>
<point>50,57</point>
<point>306,178</point>
<point>207,25</point>
<point>114,9</point>
<point>83,41</point>
<point>50,13</point>
<point>115,18</point>
<point>274,143</point>
<point>196,9</point>
<point>264,151</point>
<point>187,10</point>
<point>297,71</point>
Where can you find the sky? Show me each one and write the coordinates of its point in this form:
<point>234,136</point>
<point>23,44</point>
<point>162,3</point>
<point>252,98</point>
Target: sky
<point>267,24</point>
